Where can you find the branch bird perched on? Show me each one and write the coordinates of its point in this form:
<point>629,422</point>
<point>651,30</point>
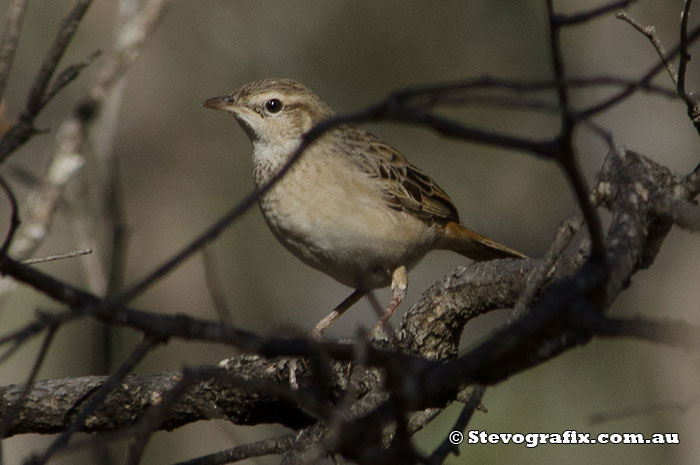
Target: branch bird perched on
<point>352,206</point>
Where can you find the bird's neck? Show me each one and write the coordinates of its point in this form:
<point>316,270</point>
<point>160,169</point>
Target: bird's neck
<point>269,159</point>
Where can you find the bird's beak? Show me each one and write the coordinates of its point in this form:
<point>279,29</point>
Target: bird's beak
<point>225,103</point>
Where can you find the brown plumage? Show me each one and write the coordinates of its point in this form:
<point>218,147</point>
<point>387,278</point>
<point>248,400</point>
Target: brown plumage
<point>352,206</point>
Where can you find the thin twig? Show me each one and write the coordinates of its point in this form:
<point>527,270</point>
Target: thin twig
<point>11,411</point>
<point>437,94</point>
<point>535,280</point>
<point>66,30</point>
<point>691,101</point>
<point>130,40</point>
<point>150,422</point>
<point>684,54</point>
<point>36,326</point>
<point>42,202</point>
<point>94,401</point>
<point>278,445</point>
<point>585,16</point>
<point>690,98</point>
<point>61,256</point>
<point>650,33</point>
<point>23,129</point>
<point>646,78</point>
<point>566,153</point>
<point>675,333</point>
<point>450,444</point>
<point>14,217</point>
<point>444,126</point>
<point>646,409</point>
<point>67,76</point>
<point>68,157</point>
<point>10,38</point>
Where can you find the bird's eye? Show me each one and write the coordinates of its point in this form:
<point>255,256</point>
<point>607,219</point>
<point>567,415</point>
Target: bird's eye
<point>273,105</point>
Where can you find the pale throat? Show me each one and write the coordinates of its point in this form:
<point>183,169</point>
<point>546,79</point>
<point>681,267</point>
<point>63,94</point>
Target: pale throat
<point>270,157</point>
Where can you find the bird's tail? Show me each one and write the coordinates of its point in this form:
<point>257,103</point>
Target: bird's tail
<point>473,245</point>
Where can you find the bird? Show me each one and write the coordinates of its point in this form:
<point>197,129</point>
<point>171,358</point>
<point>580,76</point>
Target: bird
<point>352,206</point>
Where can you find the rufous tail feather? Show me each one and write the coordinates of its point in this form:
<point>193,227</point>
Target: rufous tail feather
<point>473,245</point>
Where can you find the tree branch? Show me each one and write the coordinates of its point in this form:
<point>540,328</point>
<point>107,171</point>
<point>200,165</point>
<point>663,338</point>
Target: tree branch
<point>23,129</point>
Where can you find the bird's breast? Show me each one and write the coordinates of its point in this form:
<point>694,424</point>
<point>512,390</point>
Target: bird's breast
<point>335,219</point>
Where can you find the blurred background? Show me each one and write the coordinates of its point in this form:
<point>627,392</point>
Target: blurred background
<point>182,167</point>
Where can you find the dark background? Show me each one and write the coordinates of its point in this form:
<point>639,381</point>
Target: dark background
<point>184,166</point>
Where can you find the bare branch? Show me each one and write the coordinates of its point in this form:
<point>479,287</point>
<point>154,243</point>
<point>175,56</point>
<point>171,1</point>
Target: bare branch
<point>23,129</point>
<point>586,16</point>
<point>278,445</point>
<point>392,388</point>
<point>537,278</point>
<point>692,104</point>
<point>66,30</point>
<point>684,55</point>
<point>690,98</point>
<point>650,33</point>
<point>14,217</point>
<point>131,38</point>
<point>683,213</point>
<point>41,204</point>
<point>646,78</point>
<point>446,127</point>
<point>96,399</point>
<point>626,412</point>
<point>670,332</point>
<point>10,38</point>
<point>11,412</point>
<point>449,445</point>
<point>50,258</point>
<point>67,76</point>
<point>565,146</point>
<point>68,158</point>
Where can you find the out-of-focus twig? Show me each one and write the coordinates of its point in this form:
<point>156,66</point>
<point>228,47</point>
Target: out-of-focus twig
<point>41,203</point>
<point>678,78</point>
<point>565,144</point>
<point>51,258</point>
<point>23,129</point>
<point>646,409</point>
<point>684,55</point>
<point>536,279</point>
<point>450,444</point>
<point>98,220</point>
<point>275,445</point>
<point>14,217</point>
<point>68,158</point>
<point>10,38</point>
<point>693,106</point>
<point>14,409</point>
<point>585,16</point>
<point>97,398</point>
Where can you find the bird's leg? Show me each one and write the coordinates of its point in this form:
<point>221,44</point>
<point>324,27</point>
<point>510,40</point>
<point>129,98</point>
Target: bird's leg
<point>326,322</point>
<point>399,284</point>
<point>322,326</point>
<point>374,303</point>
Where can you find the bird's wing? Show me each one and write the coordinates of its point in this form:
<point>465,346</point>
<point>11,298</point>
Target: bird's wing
<point>405,186</point>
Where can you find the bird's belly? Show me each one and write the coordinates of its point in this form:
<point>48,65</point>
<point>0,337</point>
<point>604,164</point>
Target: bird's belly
<point>356,239</point>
